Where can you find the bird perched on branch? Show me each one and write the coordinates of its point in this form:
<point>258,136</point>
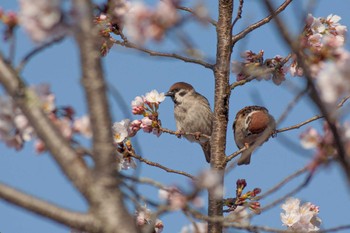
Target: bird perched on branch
<point>253,126</point>
<point>192,114</point>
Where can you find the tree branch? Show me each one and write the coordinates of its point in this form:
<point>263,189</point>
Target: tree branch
<point>106,198</point>
<point>260,23</point>
<point>221,106</point>
<point>313,92</point>
<point>208,19</point>
<point>35,51</point>
<point>128,44</point>
<point>154,164</point>
<point>61,150</point>
<point>76,220</point>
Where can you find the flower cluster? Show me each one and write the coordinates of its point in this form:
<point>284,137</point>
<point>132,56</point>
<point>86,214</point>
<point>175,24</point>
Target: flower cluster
<point>143,23</point>
<point>211,180</point>
<point>249,198</point>
<point>144,217</point>
<point>10,20</point>
<point>15,128</point>
<point>255,67</point>
<point>300,218</point>
<point>177,200</point>
<point>324,143</point>
<point>322,39</point>
<point>147,106</point>
<point>42,19</point>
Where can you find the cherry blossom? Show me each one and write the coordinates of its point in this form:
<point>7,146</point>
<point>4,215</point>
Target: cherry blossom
<point>240,216</point>
<point>82,125</point>
<point>42,19</point>
<point>154,97</point>
<point>310,138</point>
<point>144,217</point>
<point>300,218</point>
<point>333,81</point>
<point>138,106</point>
<point>143,23</point>
<point>120,130</point>
<point>174,197</point>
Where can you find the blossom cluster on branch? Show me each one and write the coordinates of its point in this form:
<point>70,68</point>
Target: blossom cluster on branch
<point>256,67</point>
<point>147,106</point>
<point>324,144</point>
<point>15,129</point>
<point>300,218</point>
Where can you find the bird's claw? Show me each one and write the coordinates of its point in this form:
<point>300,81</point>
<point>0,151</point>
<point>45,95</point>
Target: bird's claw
<point>197,135</point>
<point>274,134</point>
<point>246,145</point>
<point>179,133</point>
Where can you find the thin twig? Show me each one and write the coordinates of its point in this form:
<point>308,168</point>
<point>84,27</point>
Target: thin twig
<point>208,19</point>
<point>35,51</point>
<point>239,13</point>
<point>258,24</point>
<point>297,126</point>
<point>291,105</point>
<point>128,44</point>
<point>179,133</point>
<point>283,182</point>
<point>235,154</point>
<point>154,164</point>
<point>291,193</point>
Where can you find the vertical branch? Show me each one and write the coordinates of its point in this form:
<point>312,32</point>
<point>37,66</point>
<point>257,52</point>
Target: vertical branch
<point>106,199</point>
<point>222,94</point>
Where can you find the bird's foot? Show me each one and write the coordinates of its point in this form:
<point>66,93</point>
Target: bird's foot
<point>179,133</point>
<point>246,145</point>
<point>197,135</point>
<point>274,133</point>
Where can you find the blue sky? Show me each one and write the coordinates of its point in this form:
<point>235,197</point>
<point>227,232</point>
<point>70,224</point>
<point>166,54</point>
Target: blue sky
<point>134,73</point>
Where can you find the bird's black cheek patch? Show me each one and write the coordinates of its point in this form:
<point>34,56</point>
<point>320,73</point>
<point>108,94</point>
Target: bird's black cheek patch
<point>182,93</point>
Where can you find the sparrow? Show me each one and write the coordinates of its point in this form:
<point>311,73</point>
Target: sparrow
<point>253,126</point>
<point>192,114</point>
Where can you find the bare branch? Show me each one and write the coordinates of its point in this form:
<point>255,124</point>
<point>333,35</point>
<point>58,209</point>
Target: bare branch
<point>297,126</point>
<point>235,154</point>
<point>289,194</point>
<point>35,51</point>
<point>284,181</point>
<point>128,44</point>
<point>258,24</point>
<point>154,164</point>
<point>291,105</point>
<point>179,134</point>
<point>239,13</point>
<point>76,220</point>
<point>187,9</point>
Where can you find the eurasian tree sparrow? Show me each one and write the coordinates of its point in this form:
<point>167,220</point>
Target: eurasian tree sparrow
<point>253,126</point>
<point>192,114</point>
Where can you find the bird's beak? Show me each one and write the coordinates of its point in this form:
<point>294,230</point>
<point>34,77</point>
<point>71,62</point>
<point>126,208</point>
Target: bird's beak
<point>170,94</point>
